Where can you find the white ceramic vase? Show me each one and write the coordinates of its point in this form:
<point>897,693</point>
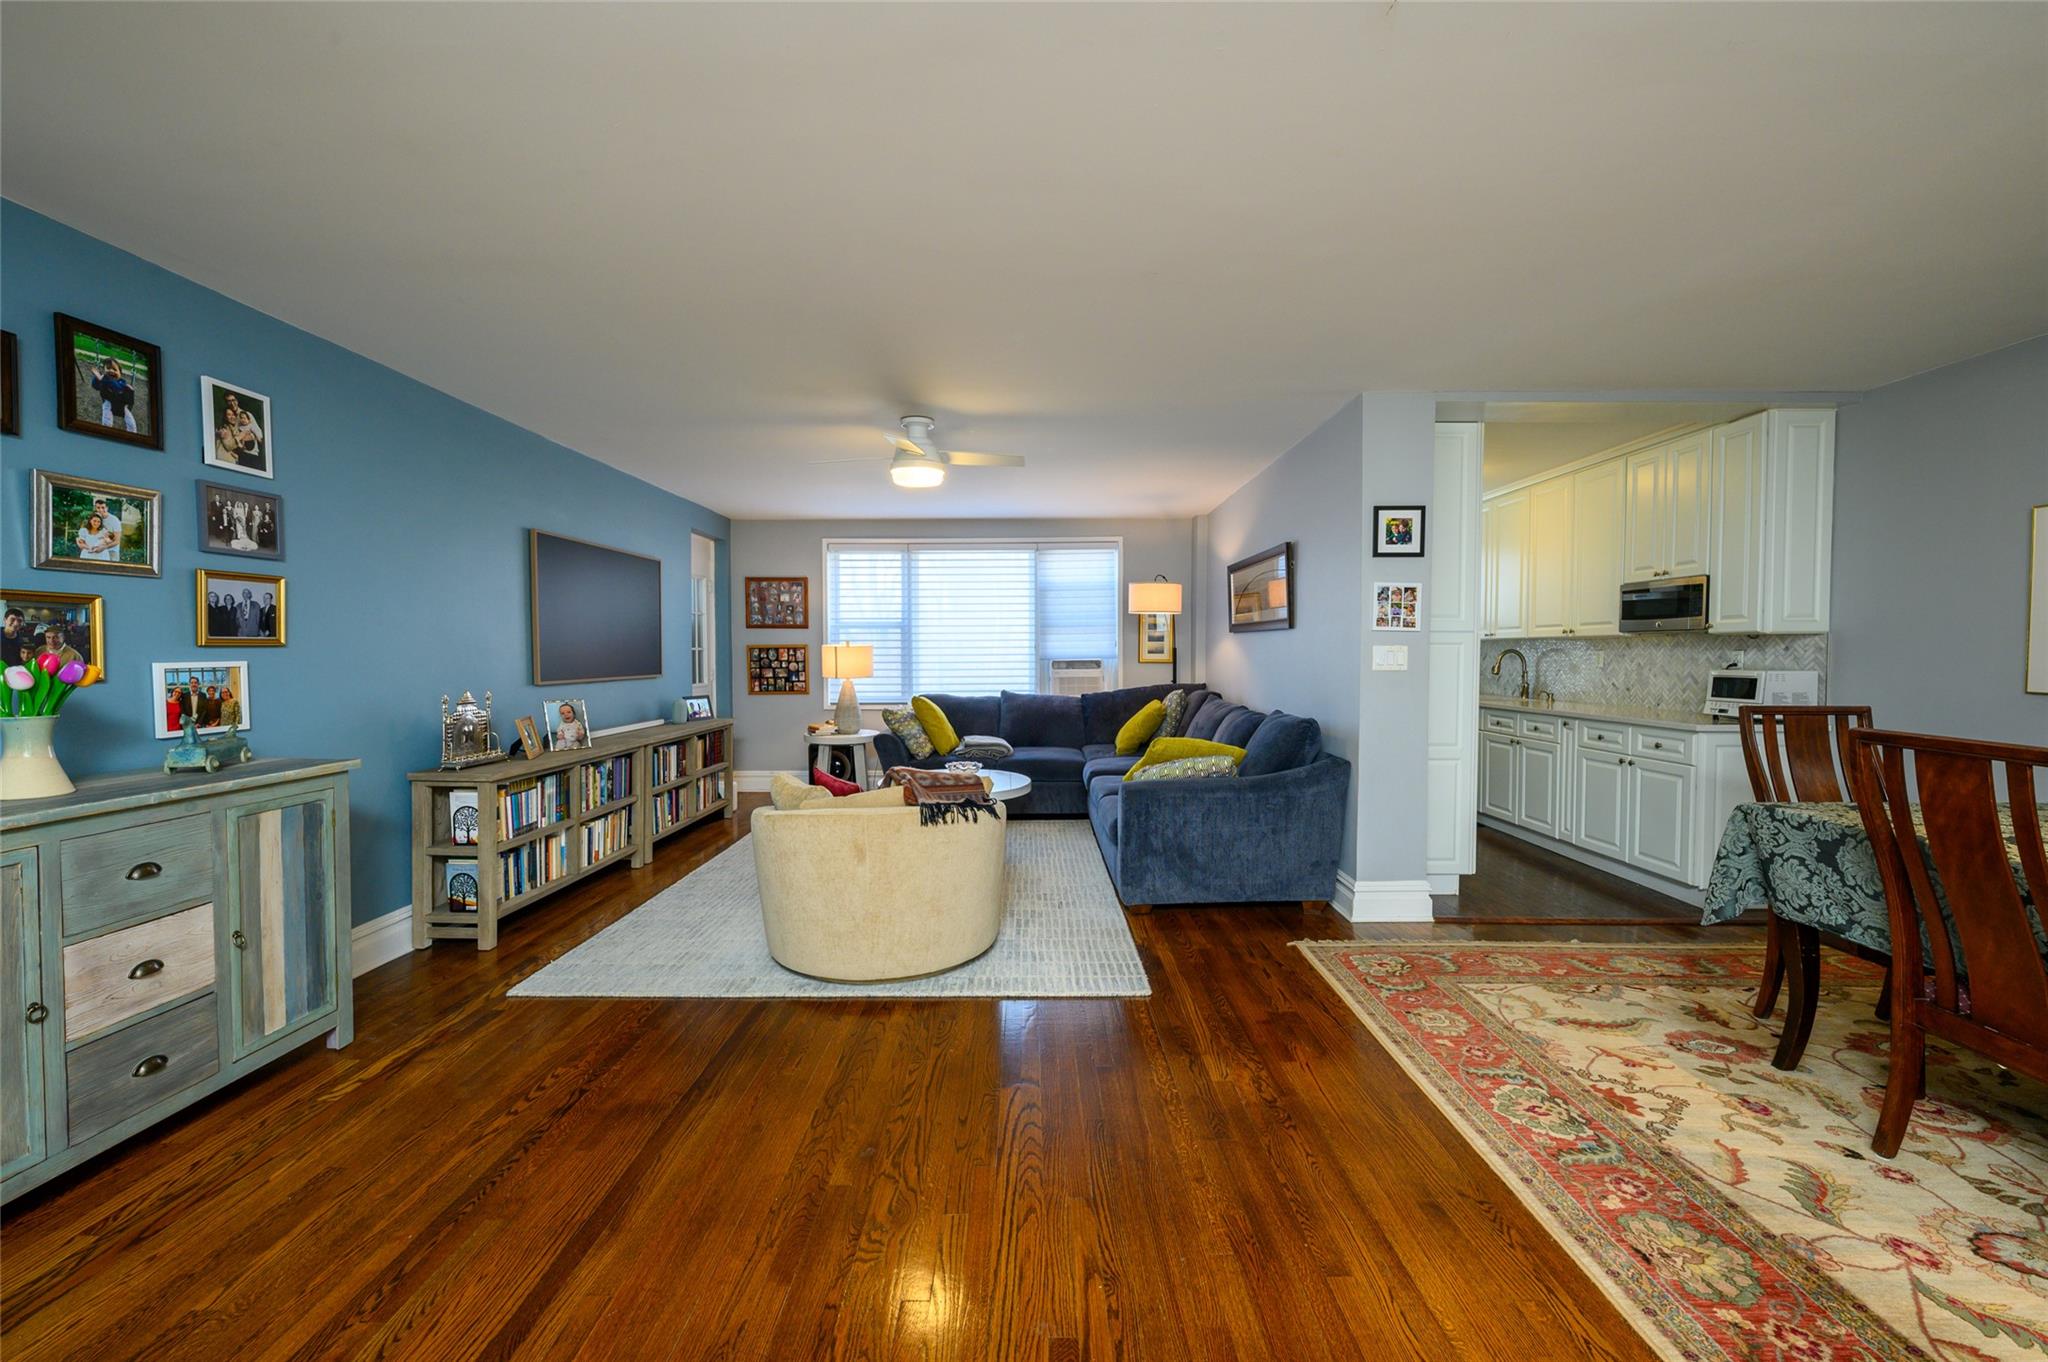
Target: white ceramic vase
<point>846,714</point>
<point>28,762</point>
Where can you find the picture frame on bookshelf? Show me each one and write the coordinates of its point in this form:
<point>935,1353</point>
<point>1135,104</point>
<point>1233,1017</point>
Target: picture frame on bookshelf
<point>568,724</point>
<point>529,736</point>
<point>462,818</point>
<point>696,707</point>
<point>459,885</point>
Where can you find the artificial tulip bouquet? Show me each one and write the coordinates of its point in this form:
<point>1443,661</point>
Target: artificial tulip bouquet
<point>42,687</point>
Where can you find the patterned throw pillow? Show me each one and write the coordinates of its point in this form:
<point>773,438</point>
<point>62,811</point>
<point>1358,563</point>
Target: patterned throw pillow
<point>1164,750</point>
<point>906,725</point>
<point>1186,768</point>
<point>981,747</point>
<point>1176,705</point>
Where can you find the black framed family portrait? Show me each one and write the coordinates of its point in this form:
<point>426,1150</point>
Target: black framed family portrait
<point>240,521</point>
<point>109,385</point>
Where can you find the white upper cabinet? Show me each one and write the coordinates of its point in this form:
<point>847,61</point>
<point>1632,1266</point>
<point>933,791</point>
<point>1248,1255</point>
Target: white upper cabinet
<point>1669,516</point>
<point>1597,517</point>
<point>1647,514</point>
<point>1774,512</point>
<point>1734,593</point>
<point>1550,559</point>
<point>1507,561</point>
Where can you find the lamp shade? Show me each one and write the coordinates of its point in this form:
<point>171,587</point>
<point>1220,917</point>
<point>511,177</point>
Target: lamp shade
<point>847,661</point>
<point>1155,598</point>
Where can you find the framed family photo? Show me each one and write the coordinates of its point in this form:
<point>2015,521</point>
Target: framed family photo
<point>778,602</point>
<point>38,622</point>
<point>238,431</point>
<point>696,707</point>
<point>85,525</point>
<point>10,385</point>
<point>216,694</point>
<point>1397,531</point>
<point>779,669</point>
<point>568,724</point>
<point>1396,606</point>
<point>240,521</point>
<point>236,608</point>
<point>108,384</point>
<point>529,736</point>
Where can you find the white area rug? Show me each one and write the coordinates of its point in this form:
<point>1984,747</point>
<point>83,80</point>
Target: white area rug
<point>1063,937</point>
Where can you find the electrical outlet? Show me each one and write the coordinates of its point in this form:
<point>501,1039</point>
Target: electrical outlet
<point>1390,657</point>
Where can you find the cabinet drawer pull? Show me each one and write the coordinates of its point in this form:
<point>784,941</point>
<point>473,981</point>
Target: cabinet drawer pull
<point>1658,745</point>
<point>152,1066</point>
<point>146,968</point>
<point>36,1014</point>
<point>144,870</point>
<point>241,942</point>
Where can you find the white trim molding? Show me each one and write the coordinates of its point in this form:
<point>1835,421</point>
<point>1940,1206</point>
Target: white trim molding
<point>1383,900</point>
<point>379,941</point>
<point>756,782</point>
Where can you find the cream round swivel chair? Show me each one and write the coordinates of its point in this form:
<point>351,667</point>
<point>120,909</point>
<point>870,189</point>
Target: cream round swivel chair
<point>860,894</point>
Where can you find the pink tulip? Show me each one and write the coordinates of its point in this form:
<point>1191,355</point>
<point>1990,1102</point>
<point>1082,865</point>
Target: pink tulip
<point>20,678</point>
<point>50,663</point>
<point>73,673</point>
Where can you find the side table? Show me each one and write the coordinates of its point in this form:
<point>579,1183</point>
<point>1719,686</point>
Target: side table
<point>861,743</point>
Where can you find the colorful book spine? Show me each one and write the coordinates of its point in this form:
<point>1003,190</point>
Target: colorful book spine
<point>605,782</point>
<point>607,836</point>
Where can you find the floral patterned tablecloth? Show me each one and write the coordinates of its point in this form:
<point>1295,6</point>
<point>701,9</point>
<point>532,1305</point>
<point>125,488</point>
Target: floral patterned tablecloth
<point>1813,864</point>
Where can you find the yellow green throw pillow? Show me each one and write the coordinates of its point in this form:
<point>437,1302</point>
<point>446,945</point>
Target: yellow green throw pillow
<point>1174,749</point>
<point>1139,728</point>
<point>937,726</point>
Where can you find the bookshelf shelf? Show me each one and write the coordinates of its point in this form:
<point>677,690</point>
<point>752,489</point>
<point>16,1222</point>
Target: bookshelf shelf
<point>660,779</point>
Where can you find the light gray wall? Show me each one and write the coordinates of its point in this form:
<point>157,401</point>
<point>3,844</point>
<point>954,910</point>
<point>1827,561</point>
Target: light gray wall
<point>769,728</point>
<point>1934,478</point>
<point>1312,495</point>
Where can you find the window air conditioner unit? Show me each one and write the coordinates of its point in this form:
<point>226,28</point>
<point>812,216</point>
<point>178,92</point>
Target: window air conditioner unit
<point>1078,677</point>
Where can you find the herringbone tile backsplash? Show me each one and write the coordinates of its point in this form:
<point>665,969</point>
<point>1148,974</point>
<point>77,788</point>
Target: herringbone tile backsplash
<point>1662,672</point>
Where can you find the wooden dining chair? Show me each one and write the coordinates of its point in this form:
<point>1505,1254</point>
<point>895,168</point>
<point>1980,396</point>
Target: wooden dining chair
<point>1796,754</point>
<point>1993,997</point>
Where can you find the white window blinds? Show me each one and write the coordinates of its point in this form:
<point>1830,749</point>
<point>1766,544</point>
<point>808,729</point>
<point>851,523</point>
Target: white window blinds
<point>971,618</point>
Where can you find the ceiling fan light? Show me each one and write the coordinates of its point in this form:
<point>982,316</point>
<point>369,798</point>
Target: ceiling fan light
<point>908,472</point>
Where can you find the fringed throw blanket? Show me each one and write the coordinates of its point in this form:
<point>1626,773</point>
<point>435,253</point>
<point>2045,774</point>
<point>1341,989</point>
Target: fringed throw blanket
<point>942,796</point>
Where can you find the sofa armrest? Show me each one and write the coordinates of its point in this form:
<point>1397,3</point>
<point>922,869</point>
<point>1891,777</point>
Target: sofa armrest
<point>890,751</point>
<point>1248,839</point>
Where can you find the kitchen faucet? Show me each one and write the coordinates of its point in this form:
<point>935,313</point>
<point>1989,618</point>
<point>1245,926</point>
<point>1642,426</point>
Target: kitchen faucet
<point>1516,654</point>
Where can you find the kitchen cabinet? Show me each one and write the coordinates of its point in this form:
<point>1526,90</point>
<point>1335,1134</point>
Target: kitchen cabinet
<point>1597,547</point>
<point>1498,791</point>
<point>1667,511</point>
<point>1600,802</point>
<point>1773,496</point>
<point>1549,563</point>
<point>1506,536</point>
<point>1660,818</point>
<point>1521,775</point>
<point>1536,786</point>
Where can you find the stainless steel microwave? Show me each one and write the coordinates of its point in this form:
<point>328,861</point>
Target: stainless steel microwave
<point>1664,605</point>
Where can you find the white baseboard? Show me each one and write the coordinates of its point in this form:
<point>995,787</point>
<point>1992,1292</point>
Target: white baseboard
<point>756,782</point>
<point>1685,893</point>
<point>380,941</point>
<point>1444,884</point>
<point>1384,900</point>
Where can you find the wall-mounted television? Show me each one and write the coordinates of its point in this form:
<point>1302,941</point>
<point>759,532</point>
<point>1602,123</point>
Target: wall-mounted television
<point>596,611</point>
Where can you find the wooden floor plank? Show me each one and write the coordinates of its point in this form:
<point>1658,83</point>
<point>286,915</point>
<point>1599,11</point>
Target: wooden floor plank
<point>1231,1168</point>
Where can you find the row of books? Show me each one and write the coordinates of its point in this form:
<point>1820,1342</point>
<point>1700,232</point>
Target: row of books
<point>522,807</point>
<point>603,836</point>
<point>605,781</point>
<point>668,763</point>
<point>533,865</point>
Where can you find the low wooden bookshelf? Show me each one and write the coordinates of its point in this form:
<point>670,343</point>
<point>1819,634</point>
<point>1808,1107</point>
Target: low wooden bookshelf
<point>549,821</point>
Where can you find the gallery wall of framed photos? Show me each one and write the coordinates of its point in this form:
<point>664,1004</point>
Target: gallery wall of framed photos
<point>387,520</point>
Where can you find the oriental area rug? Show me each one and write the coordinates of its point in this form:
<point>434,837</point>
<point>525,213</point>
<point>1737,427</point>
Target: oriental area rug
<point>1728,1210</point>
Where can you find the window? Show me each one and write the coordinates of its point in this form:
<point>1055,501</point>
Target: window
<point>703,615</point>
<point>971,618</point>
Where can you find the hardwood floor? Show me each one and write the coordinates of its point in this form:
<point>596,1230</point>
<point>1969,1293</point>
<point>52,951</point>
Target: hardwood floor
<point>1230,1168</point>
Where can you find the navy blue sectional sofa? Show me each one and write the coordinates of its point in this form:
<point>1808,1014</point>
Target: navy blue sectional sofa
<point>1272,832</point>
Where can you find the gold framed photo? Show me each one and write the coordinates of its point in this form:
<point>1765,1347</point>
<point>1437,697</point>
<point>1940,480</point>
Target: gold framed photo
<point>1155,638</point>
<point>239,609</point>
<point>61,622</point>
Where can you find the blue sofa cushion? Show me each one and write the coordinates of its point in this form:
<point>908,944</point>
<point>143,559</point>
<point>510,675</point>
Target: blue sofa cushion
<point>1113,766</point>
<point>1210,717</point>
<point>1098,749</point>
<point>1103,712</point>
<point>1103,787</point>
<point>1047,765</point>
<point>1197,697</point>
<point>971,713</point>
<point>1238,728</point>
<point>1042,721</point>
<point>1282,742</point>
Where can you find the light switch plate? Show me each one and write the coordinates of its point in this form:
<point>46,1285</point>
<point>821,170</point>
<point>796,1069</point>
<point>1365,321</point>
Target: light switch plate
<point>1390,657</point>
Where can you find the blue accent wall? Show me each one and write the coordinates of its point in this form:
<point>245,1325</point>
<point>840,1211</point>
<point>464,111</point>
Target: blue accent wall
<point>406,517</point>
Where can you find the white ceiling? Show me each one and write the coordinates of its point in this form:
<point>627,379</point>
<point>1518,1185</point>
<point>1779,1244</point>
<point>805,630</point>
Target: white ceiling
<point>1148,246</point>
<point>1527,438</point>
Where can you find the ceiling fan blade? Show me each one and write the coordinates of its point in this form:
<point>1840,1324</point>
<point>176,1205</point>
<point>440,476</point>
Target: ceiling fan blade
<point>901,443</point>
<point>962,459</point>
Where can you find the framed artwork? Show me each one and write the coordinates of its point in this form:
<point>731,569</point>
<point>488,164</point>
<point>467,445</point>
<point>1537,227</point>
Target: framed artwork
<point>1397,531</point>
<point>1396,606</point>
<point>2037,606</point>
<point>10,385</point>
<point>234,608</point>
<point>108,384</point>
<point>461,885</point>
<point>85,525</point>
<point>1262,590</point>
<point>1155,638</point>
<point>779,669</point>
<point>529,736</point>
<point>237,428</point>
<point>696,707</point>
<point>778,602</point>
<point>240,521</point>
<point>217,692</point>
<point>568,724</point>
<point>37,622</point>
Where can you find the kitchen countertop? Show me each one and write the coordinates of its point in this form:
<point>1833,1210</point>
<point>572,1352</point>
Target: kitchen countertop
<point>1690,720</point>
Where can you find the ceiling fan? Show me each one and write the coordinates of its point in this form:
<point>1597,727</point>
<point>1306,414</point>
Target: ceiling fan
<point>919,462</point>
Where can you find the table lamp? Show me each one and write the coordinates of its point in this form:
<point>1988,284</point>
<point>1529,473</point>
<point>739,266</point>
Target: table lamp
<point>1158,597</point>
<point>844,662</point>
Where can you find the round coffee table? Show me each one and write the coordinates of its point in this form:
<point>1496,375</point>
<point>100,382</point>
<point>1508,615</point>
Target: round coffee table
<point>1006,785</point>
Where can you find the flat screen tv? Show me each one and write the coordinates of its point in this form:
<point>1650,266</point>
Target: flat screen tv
<point>596,611</point>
